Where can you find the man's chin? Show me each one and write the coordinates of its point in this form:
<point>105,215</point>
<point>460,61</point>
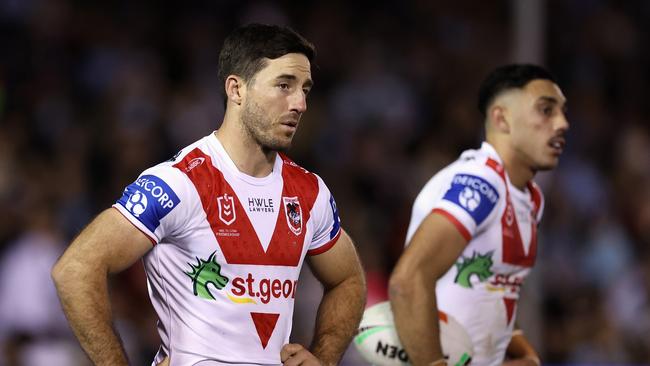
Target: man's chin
<point>284,148</point>
<point>278,146</point>
<point>547,165</point>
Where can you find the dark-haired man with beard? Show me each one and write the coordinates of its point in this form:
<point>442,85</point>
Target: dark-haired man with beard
<point>223,229</point>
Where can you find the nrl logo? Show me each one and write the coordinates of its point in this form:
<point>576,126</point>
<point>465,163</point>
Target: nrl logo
<point>226,205</point>
<point>294,214</point>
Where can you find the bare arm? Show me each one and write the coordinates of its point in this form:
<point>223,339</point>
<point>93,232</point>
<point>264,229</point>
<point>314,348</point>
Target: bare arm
<point>434,248</point>
<point>521,352</point>
<point>340,310</point>
<point>109,244</point>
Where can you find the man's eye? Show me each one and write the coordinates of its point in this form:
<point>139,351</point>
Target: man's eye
<point>547,111</point>
<point>284,86</point>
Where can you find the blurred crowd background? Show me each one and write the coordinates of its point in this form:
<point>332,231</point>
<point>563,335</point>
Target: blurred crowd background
<point>92,93</point>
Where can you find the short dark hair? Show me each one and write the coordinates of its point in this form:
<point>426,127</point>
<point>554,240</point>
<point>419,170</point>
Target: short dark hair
<point>245,49</point>
<point>508,77</point>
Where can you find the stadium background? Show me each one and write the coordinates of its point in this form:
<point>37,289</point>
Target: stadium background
<point>92,93</point>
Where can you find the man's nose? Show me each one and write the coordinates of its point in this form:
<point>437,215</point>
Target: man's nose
<point>298,102</point>
<point>562,124</point>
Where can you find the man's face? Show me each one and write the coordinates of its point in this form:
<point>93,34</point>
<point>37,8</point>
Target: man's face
<point>276,98</point>
<point>538,124</point>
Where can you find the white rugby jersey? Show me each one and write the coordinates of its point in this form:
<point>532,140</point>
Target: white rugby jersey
<point>481,290</point>
<point>227,253</point>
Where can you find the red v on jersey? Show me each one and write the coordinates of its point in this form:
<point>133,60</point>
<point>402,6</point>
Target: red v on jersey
<point>264,324</point>
<point>233,229</point>
<point>513,245</point>
<point>510,308</point>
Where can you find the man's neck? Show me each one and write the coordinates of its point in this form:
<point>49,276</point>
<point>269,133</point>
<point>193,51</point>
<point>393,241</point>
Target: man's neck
<point>519,172</point>
<point>249,157</point>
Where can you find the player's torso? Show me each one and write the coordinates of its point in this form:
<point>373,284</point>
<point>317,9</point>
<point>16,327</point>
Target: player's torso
<point>482,288</point>
<point>500,254</point>
<point>224,285</point>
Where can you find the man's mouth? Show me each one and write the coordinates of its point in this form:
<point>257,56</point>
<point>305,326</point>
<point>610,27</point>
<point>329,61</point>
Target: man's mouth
<point>291,125</point>
<point>557,144</point>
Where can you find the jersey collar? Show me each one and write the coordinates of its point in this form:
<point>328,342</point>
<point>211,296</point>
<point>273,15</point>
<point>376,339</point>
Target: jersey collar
<point>232,168</point>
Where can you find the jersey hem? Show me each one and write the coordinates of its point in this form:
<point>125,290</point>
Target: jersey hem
<point>461,228</point>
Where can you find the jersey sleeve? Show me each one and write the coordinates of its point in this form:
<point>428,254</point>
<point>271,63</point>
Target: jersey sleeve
<point>155,202</point>
<point>470,195</point>
<point>327,225</point>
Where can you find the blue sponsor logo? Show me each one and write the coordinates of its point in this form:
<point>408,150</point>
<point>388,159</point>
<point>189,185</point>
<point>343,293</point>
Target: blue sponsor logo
<point>337,222</point>
<point>149,199</point>
<point>474,194</point>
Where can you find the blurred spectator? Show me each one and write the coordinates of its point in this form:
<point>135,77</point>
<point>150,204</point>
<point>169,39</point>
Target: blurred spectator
<point>34,330</point>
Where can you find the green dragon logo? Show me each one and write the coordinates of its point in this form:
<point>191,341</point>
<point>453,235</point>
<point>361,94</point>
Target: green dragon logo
<point>477,264</point>
<point>206,272</point>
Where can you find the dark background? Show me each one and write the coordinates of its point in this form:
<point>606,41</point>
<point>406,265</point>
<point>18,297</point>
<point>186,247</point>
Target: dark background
<point>92,93</point>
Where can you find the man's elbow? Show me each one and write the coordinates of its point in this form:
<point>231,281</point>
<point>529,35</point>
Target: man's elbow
<point>400,286</point>
<point>68,270</point>
<point>60,272</point>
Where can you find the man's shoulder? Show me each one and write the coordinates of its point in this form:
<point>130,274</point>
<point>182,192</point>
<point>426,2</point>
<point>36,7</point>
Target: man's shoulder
<point>467,175</point>
<point>309,183</point>
<point>200,146</point>
<point>175,169</point>
<point>475,165</point>
<point>291,170</point>
<point>465,165</point>
<point>289,163</point>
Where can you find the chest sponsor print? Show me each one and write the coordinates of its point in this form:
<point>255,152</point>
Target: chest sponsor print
<point>261,204</point>
<point>206,278</point>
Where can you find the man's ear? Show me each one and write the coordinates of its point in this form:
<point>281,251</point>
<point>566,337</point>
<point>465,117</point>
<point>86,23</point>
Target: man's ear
<point>499,118</point>
<point>235,89</point>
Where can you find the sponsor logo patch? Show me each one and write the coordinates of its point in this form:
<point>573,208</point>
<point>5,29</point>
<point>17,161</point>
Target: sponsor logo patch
<point>337,221</point>
<point>194,163</point>
<point>149,199</point>
<point>474,194</point>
